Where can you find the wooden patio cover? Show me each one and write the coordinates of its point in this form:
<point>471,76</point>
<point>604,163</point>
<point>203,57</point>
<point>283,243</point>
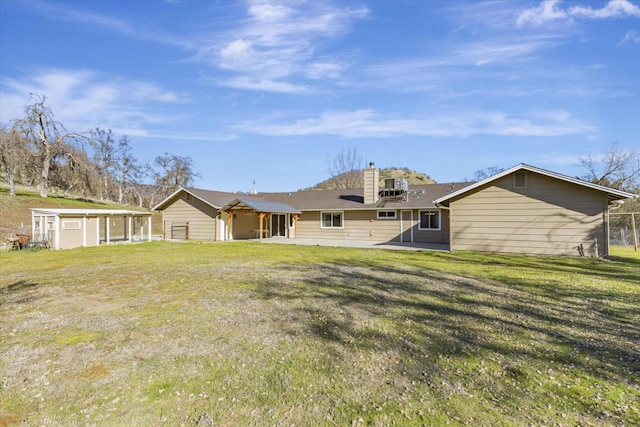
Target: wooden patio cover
<point>261,207</point>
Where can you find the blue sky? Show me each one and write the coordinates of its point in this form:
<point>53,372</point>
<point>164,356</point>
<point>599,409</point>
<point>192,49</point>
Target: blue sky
<point>271,90</point>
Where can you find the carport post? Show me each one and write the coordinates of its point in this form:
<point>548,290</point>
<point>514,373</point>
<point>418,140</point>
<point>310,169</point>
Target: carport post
<point>261,215</point>
<point>229,219</point>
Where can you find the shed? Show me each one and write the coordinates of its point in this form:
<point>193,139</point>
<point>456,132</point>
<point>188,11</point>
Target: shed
<point>72,228</point>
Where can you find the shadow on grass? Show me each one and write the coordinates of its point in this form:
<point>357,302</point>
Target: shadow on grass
<point>17,293</point>
<point>427,312</point>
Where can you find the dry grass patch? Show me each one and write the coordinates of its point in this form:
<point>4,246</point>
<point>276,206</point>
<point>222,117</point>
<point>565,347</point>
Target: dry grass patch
<point>250,334</point>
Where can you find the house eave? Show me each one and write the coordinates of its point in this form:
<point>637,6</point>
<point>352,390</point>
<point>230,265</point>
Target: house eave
<point>612,194</point>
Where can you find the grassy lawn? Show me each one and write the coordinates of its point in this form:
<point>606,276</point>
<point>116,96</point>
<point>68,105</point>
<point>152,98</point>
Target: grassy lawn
<point>230,334</point>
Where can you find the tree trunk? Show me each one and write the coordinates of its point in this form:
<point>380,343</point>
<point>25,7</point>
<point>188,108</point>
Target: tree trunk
<point>44,176</point>
<point>11,181</point>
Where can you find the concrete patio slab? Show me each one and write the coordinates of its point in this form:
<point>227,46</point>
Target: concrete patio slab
<point>405,246</point>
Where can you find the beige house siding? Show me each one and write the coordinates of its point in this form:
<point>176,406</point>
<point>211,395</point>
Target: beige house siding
<point>200,216</point>
<point>549,216</point>
<point>244,226</point>
<point>365,225</point>
<point>92,231</point>
<point>72,229</point>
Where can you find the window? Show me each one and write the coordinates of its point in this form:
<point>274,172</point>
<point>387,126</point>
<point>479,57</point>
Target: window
<point>71,225</point>
<point>429,220</point>
<point>520,180</point>
<point>331,220</point>
<point>386,214</point>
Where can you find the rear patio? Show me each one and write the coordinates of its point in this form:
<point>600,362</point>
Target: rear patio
<point>364,244</point>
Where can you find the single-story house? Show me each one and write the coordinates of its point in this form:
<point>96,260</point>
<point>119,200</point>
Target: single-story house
<point>395,213</point>
<point>521,210</point>
<point>72,228</point>
<point>533,211</point>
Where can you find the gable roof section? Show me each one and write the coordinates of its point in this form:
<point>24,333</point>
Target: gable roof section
<point>612,194</point>
<point>215,199</point>
<point>259,206</point>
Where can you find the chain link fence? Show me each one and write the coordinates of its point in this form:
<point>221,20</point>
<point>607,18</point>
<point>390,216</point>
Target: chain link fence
<point>622,227</point>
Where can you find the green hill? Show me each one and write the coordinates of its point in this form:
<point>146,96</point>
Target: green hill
<point>413,177</point>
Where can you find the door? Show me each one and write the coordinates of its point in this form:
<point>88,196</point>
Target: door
<point>406,226</point>
<point>278,225</point>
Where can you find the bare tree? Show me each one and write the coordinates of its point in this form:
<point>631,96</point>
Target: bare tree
<point>13,155</point>
<point>172,172</point>
<point>345,169</point>
<point>127,171</point>
<point>481,174</point>
<point>110,158</point>
<point>48,138</point>
<point>104,157</point>
<point>615,168</point>
<point>73,171</point>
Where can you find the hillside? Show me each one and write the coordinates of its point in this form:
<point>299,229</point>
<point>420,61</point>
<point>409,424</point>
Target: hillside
<point>15,215</point>
<point>413,177</point>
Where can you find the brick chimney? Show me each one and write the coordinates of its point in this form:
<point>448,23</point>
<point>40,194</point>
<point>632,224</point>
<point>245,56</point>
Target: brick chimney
<point>371,184</point>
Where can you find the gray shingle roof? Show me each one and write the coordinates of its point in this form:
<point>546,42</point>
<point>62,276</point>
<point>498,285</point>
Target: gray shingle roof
<point>418,196</point>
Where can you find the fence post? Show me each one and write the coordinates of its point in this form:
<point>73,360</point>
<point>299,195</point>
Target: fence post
<point>635,234</point>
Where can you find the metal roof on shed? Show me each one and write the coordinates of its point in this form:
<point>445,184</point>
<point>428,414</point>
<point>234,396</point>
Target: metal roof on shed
<point>75,212</point>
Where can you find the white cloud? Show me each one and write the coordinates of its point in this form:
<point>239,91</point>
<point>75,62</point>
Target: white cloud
<point>82,99</point>
<point>613,9</point>
<point>370,124</point>
<point>547,11</point>
<point>263,85</point>
<point>630,37</point>
<point>59,12</point>
<point>550,10</point>
<point>280,43</point>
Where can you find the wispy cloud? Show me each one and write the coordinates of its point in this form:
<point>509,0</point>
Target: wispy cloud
<point>277,43</point>
<point>493,59</point>
<point>551,10</point>
<point>76,14</point>
<point>82,99</point>
<point>630,37</point>
<point>371,124</point>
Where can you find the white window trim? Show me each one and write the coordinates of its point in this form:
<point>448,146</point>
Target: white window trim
<point>437,211</point>
<point>395,214</point>
<point>322,213</point>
